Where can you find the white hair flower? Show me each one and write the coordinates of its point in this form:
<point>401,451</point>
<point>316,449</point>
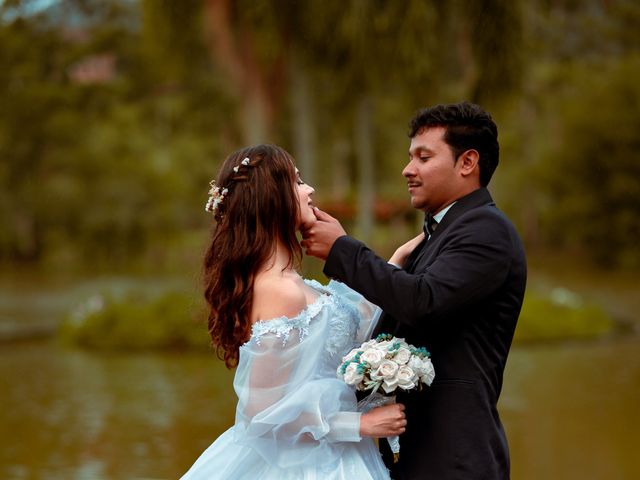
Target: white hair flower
<point>216,197</point>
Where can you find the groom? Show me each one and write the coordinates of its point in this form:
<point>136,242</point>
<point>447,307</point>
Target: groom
<point>458,294</point>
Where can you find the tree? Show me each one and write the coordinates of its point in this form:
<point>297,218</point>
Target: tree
<point>592,172</point>
<point>99,166</point>
<point>247,41</point>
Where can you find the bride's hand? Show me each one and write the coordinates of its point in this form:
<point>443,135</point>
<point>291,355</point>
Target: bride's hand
<point>386,421</point>
<point>402,253</point>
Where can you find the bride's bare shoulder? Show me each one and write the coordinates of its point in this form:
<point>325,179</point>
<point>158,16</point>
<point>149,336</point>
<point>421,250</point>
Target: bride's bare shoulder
<point>276,296</point>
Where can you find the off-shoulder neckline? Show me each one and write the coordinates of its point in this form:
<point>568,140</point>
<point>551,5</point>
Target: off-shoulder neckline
<point>281,326</point>
<point>323,294</point>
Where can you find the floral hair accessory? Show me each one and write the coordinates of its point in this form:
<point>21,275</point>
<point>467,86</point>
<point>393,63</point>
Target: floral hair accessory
<point>217,194</point>
<point>216,197</point>
<point>244,162</point>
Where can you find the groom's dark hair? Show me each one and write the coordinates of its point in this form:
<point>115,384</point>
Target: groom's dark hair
<point>467,127</point>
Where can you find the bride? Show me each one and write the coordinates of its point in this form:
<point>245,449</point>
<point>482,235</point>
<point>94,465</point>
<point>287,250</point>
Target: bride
<point>285,335</point>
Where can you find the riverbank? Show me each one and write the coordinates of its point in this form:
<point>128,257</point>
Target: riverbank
<point>566,299</point>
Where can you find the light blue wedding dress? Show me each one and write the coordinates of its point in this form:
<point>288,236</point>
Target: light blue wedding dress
<point>295,419</point>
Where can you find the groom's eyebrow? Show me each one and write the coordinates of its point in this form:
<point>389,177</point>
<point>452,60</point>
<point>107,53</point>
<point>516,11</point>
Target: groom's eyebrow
<point>420,149</point>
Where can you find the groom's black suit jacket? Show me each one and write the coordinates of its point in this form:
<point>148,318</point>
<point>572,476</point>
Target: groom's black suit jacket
<point>459,296</point>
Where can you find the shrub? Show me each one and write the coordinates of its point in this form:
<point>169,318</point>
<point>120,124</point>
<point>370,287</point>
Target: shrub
<point>560,315</point>
<point>171,321</point>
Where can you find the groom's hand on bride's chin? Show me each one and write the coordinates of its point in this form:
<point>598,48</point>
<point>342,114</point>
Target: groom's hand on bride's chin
<point>320,237</point>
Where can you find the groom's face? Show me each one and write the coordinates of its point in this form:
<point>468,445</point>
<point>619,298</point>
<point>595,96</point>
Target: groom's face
<point>431,173</point>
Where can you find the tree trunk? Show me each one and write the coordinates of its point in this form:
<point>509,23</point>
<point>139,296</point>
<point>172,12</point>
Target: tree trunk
<point>304,138</point>
<point>340,177</point>
<point>366,166</point>
<point>257,87</point>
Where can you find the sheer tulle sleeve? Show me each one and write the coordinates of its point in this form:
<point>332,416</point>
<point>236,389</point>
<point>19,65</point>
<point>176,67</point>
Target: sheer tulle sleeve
<point>287,411</point>
<point>368,313</point>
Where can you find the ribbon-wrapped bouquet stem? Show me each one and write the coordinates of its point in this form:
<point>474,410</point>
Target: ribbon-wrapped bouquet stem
<point>381,366</point>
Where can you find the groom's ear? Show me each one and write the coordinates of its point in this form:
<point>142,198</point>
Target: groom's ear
<point>468,163</point>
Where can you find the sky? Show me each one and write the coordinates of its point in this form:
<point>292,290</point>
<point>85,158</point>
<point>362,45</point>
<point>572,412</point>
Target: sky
<point>27,7</point>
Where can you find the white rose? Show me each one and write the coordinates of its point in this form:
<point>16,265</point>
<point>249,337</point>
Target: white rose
<point>402,356</point>
<point>351,375</point>
<point>368,344</point>
<point>387,373</point>
<point>417,365</point>
<point>406,377</point>
<point>350,355</point>
<point>389,384</point>
<point>428,372</point>
<point>373,357</point>
<point>383,346</point>
<point>386,370</point>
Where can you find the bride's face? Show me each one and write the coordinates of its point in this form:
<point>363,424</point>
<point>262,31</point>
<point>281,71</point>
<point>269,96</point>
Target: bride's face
<point>305,201</point>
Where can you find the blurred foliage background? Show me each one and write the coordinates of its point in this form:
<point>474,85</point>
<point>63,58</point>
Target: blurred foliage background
<point>114,115</point>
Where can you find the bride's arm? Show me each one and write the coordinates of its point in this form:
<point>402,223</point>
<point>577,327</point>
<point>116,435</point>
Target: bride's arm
<point>279,396</point>
<point>367,312</point>
<point>403,251</point>
<point>268,395</point>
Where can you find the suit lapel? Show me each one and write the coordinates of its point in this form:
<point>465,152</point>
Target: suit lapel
<point>470,201</point>
<point>412,260</point>
<point>473,200</point>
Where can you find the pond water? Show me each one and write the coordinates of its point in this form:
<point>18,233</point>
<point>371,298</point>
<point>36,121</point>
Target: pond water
<point>570,409</point>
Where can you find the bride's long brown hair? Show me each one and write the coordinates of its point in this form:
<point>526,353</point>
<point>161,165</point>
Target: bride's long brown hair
<point>260,208</point>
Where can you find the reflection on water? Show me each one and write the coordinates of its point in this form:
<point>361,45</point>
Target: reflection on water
<point>570,412</point>
<point>74,415</point>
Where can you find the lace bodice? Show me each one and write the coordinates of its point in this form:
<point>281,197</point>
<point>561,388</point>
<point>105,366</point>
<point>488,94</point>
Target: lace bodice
<point>341,310</point>
<point>283,326</point>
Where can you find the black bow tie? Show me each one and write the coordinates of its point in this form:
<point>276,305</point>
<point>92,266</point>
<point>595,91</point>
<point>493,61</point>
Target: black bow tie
<point>430,224</point>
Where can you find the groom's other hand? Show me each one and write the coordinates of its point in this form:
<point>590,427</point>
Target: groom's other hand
<point>320,237</point>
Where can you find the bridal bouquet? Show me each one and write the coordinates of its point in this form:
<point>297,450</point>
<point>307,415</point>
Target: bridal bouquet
<point>386,363</point>
<point>382,365</point>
